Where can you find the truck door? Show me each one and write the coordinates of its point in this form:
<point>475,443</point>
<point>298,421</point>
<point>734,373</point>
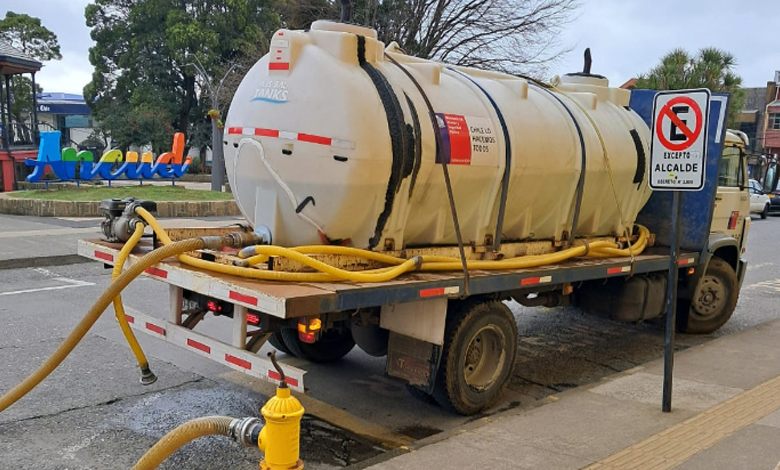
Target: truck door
<point>732,202</point>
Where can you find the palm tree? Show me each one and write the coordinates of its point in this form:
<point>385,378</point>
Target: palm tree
<point>711,68</point>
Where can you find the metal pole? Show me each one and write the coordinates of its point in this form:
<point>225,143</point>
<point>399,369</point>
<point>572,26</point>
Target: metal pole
<point>671,302</point>
<point>217,162</point>
<point>10,132</point>
<point>36,134</point>
<point>4,135</point>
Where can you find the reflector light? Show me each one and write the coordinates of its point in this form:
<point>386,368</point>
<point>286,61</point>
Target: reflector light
<point>733,220</point>
<point>212,306</point>
<point>306,337</point>
<point>252,318</point>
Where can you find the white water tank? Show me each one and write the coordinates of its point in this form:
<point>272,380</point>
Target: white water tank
<point>326,134</point>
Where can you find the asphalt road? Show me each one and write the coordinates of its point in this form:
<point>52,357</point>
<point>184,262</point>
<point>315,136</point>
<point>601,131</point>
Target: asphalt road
<point>93,414</point>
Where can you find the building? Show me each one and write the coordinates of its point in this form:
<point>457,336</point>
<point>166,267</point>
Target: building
<point>18,137</point>
<point>67,113</point>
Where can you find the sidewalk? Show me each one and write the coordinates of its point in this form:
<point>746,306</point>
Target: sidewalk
<point>724,416</point>
<point>27,241</point>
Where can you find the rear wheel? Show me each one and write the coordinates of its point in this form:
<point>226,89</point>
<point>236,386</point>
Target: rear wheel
<point>331,346</point>
<point>714,301</point>
<point>478,357</point>
<point>277,341</point>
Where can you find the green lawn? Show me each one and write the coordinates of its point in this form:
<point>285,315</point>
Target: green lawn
<point>153,193</point>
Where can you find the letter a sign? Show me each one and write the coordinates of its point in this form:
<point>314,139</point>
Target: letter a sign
<point>679,143</point>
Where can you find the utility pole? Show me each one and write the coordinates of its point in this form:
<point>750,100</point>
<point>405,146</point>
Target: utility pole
<point>217,157</point>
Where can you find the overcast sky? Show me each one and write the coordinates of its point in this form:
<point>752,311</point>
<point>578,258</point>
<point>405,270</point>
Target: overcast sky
<point>626,37</point>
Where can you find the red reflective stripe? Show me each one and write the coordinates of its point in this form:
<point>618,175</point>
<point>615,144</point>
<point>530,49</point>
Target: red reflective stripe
<point>278,66</point>
<point>247,299</point>
<point>239,362</point>
<point>157,329</point>
<point>157,272</point>
<point>105,256</point>
<point>432,292</point>
<point>129,319</point>
<point>315,139</point>
<point>530,280</point>
<point>198,345</point>
<point>614,270</point>
<point>235,130</point>
<point>272,374</point>
<point>266,132</point>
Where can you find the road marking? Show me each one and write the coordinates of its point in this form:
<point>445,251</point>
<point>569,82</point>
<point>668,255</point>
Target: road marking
<point>677,444</point>
<point>773,284</point>
<point>70,284</point>
<point>328,413</point>
<point>49,232</point>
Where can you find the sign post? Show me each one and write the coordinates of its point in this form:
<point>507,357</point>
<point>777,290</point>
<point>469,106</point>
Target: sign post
<point>677,161</point>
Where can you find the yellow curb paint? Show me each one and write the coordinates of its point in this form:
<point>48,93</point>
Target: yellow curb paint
<point>675,445</point>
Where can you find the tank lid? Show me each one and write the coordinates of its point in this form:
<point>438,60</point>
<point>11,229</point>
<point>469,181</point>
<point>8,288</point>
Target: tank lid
<point>587,62</point>
<point>326,25</point>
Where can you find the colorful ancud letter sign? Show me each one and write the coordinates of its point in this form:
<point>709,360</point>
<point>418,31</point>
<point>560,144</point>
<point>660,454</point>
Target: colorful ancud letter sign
<point>64,162</point>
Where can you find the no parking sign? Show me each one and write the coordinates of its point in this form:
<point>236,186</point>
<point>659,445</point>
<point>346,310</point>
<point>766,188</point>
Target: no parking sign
<point>679,143</point>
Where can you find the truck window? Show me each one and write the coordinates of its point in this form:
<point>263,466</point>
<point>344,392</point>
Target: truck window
<point>729,173</point>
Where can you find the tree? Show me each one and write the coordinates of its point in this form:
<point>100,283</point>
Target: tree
<point>711,68</point>
<point>515,36</point>
<point>142,53</point>
<point>27,34</point>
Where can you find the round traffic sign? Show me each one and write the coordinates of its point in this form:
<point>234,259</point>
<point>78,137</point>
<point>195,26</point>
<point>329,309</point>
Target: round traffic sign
<point>667,112</point>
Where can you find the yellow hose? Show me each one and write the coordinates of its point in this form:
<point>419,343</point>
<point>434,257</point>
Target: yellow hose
<point>174,440</point>
<point>327,273</point>
<point>119,309</point>
<point>93,314</point>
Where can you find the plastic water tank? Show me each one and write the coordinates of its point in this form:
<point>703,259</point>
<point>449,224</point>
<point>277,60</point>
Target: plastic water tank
<point>333,135</point>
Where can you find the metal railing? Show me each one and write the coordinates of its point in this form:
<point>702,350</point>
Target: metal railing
<point>18,135</point>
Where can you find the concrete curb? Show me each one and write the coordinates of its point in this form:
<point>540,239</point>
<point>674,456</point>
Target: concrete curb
<point>51,208</point>
<point>42,261</point>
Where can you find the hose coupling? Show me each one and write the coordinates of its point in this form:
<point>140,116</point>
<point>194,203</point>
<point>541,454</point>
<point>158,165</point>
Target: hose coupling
<point>147,376</point>
<point>245,431</point>
<point>232,240</point>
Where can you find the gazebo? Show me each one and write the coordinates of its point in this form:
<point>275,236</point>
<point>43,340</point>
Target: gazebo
<point>18,137</point>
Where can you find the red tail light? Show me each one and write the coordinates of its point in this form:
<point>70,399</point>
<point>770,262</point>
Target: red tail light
<point>213,306</point>
<point>252,319</point>
<point>733,220</point>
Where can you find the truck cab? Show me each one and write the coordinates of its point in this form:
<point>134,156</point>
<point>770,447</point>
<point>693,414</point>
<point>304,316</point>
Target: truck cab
<point>731,213</point>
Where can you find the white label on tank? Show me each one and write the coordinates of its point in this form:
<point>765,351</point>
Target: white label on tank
<point>467,140</point>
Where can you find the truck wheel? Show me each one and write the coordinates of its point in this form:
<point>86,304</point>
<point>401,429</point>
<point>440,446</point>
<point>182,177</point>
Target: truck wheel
<point>765,212</point>
<point>480,345</point>
<point>277,341</point>
<point>714,301</point>
<point>332,345</point>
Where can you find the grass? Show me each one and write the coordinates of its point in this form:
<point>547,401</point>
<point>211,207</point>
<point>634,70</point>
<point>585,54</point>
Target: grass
<point>154,193</point>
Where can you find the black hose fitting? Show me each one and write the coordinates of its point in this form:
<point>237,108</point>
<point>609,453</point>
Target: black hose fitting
<point>147,376</point>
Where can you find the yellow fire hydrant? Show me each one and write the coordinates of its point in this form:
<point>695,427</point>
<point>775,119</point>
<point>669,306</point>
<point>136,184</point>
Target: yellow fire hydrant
<point>280,438</point>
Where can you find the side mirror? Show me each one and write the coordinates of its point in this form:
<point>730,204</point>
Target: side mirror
<point>771,177</point>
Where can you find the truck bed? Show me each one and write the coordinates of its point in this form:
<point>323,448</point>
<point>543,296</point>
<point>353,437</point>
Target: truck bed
<point>296,299</point>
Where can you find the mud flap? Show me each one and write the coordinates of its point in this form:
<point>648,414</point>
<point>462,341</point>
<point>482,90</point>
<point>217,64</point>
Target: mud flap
<point>413,360</point>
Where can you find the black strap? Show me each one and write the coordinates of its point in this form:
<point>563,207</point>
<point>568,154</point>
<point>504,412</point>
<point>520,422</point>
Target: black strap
<point>439,147</point>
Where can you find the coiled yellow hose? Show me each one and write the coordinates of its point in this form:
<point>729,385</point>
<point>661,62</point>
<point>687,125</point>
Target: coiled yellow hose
<point>174,440</point>
<point>601,249</point>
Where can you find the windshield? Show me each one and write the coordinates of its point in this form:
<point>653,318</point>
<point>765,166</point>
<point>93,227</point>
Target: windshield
<point>729,173</point>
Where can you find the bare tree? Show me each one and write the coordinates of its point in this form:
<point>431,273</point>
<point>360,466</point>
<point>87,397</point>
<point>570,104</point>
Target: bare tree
<point>514,36</point>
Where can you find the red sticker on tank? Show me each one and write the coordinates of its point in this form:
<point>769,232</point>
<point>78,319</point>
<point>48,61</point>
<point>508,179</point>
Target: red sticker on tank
<point>455,140</point>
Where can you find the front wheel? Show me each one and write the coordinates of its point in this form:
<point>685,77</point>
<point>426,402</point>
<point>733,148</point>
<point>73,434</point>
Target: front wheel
<point>714,301</point>
<point>765,212</point>
<point>480,345</point>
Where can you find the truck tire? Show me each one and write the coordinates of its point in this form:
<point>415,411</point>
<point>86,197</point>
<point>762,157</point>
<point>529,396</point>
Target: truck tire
<point>277,341</point>
<point>332,345</point>
<point>714,301</point>
<point>478,358</point>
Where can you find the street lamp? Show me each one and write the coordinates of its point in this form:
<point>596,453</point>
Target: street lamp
<point>217,157</point>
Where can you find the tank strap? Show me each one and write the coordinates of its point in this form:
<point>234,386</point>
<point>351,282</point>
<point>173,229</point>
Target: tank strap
<point>581,181</point>
<point>445,170</point>
<point>507,163</point>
